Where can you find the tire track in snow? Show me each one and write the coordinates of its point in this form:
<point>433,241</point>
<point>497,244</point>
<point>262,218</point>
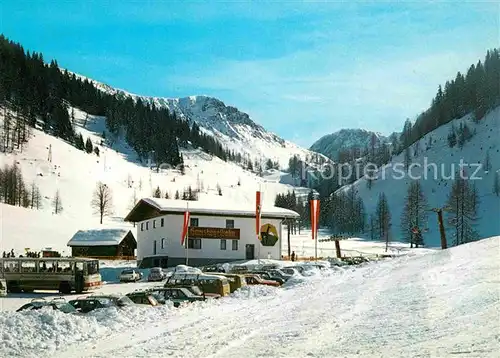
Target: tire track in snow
<point>361,291</point>
<point>183,319</point>
<point>220,332</point>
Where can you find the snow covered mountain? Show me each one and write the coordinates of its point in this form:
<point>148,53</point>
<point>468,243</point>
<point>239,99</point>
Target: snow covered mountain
<point>234,129</point>
<point>433,164</point>
<point>330,144</point>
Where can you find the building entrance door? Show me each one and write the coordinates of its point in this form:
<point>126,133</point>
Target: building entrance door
<point>249,252</point>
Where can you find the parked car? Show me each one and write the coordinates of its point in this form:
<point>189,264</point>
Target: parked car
<point>269,267</point>
<point>213,268</point>
<point>268,276</point>
<point>93,302</point>
<point>280,273</point>
<point>296,268</point>
<point>196,290</point>
<point>313,266</point>
<point>235,281</point>
<point>143,298</point>
<point>156,274</point>
<point>178,295</point>
<point>55,304</point>
<point>253,279</point>
<point>3,287</point>
<point>208,282</point>
<point>130,275</point>
<point>291,271</point>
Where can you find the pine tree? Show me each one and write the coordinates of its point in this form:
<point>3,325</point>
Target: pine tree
<point>269,164</point>
<point>167,195</point>
<point>496,184</point>
<point>79,143</point>
<point>463,203</point>
<point>407,158</point>
<point>414,215</point>
<point>452,137</point>
<point>182,168</point>
<point>487,162</point>
<point>219,189</point>
<point>177,195</point>
<point>88,146</point>
<point>373,227</point>
<point>157,193</point>
<point>383,218</point>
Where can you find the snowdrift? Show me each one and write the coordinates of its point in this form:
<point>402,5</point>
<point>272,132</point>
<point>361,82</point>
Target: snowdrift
<point>441,303</point>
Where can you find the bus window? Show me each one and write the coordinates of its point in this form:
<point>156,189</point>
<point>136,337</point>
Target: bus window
<point>93,267</point>
<point>28,266</point>
<point>79,266</point>
<point>47,266</point>
<point>11,266</point>
<point>64,266</point>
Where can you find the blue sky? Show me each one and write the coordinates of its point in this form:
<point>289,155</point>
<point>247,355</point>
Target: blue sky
<point>301,70</point>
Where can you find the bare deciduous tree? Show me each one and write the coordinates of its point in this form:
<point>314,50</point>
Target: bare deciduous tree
<point>102,200</point>
<point>57,203</point>
<point>36,197</point>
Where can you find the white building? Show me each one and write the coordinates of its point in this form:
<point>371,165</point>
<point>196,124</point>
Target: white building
<point>218,232</point>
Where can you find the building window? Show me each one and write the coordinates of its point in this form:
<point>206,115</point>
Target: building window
<point>193,222</point>
<point>229,224</point>
<point>154,224</point>
<point>223,244</point>
<point>142,226</point>
<point>194,244</point>
<point>147,225</point>
<point>162,222</point>
<point>235,245</point>
<point>163,243</point>
<point>154,247</point>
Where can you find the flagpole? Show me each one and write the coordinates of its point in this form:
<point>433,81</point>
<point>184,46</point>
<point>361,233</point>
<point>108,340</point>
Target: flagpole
<point>260,210</point>
<point>187,236</point>
<point>316,246</point>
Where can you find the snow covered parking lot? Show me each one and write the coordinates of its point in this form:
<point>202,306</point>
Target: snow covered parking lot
<point>437,304</point>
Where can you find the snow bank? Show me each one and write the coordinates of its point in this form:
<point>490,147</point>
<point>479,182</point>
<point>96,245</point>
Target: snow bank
<point>44,331</point>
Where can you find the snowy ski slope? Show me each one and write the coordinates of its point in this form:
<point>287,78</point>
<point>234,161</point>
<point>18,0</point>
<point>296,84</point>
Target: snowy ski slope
<point>487,138</point>
<point>75,174</point>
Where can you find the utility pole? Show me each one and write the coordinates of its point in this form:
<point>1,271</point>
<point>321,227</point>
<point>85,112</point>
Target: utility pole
<point>444,244</point>
<point>289,230</point>
<point>439,211</point>
<point>337,239</point>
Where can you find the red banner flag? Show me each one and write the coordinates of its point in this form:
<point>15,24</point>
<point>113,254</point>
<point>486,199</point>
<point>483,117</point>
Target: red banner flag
<point>314,208</point>
<point>258,208</point>
<point>185,226</point>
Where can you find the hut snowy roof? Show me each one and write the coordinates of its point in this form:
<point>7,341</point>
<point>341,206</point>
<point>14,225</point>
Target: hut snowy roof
<point>148,208</point>
<point>98,237</point>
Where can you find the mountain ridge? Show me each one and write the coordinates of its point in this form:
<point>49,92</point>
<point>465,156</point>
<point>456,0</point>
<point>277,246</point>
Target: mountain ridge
<point>331,144</point>
<point>234,129</point>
